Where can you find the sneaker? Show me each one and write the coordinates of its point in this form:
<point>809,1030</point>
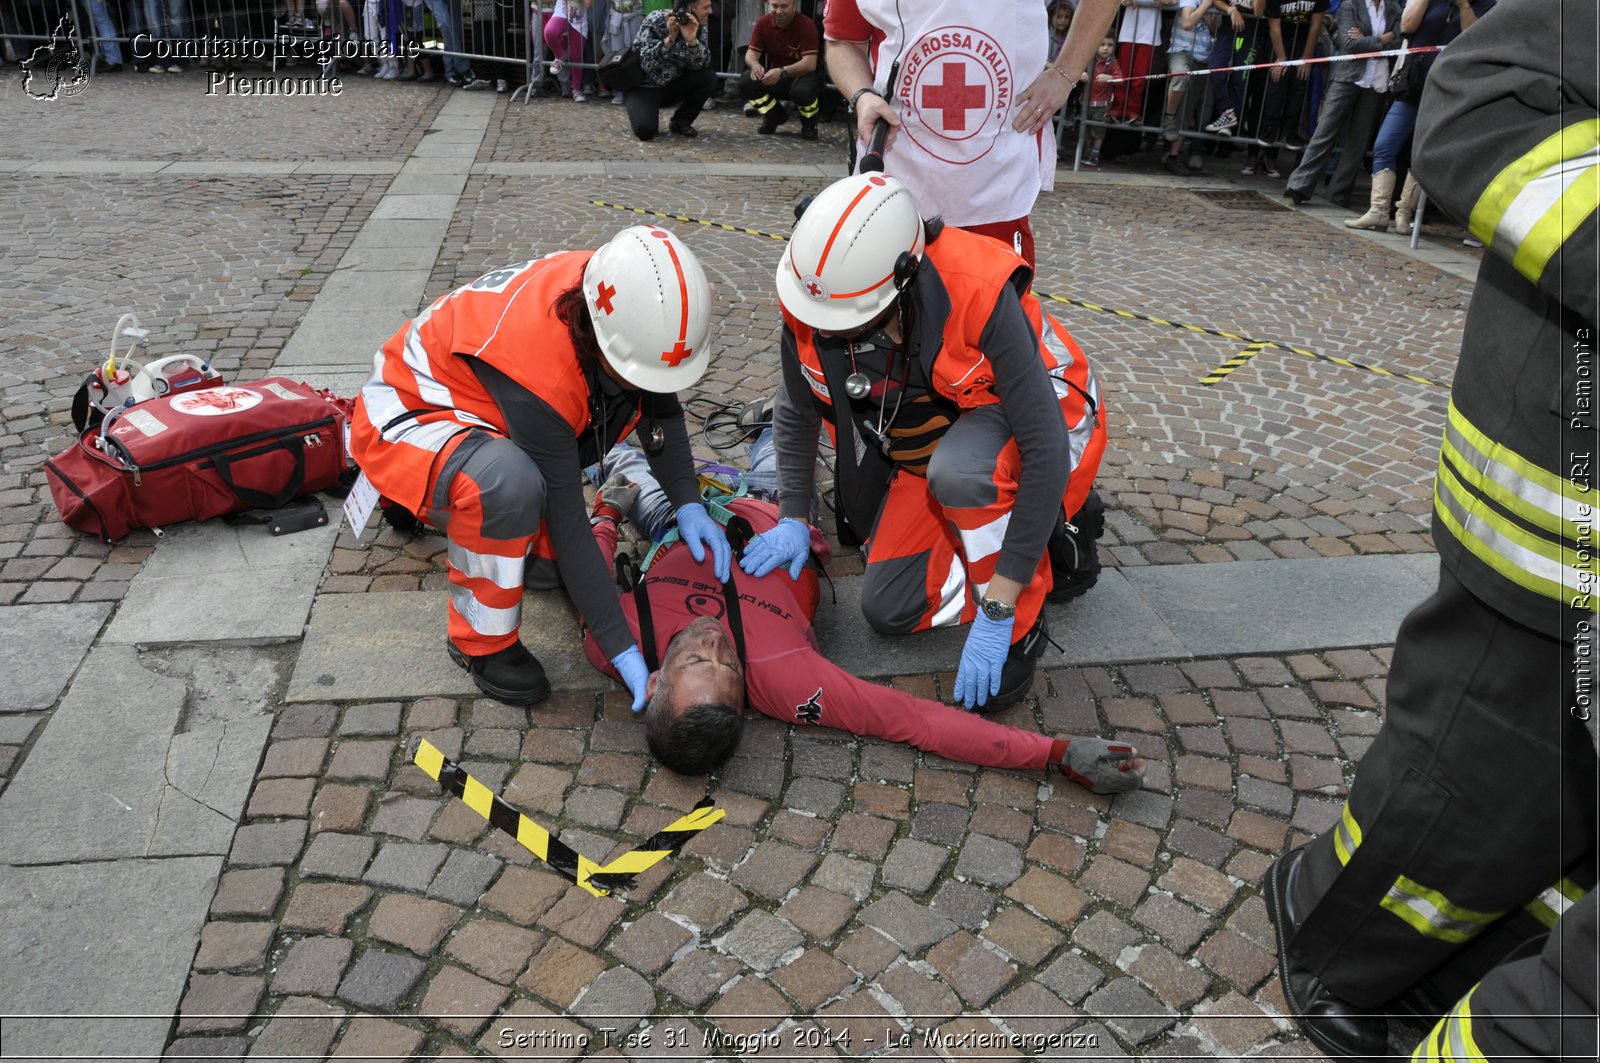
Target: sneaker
<point>710,104</point>
<point>577,97</point>
<point>1016,675</point>
<point>773,119</point>
<point>512,675</point>
<point>1472,241</point>
<point>616,98</point>
<point>1171,164</point>
<point>1225,123</point>
<point>1074,560</point>
<point>502,86</point>
<point>556,67</point>
<point>1092,158</point>
<point>474,83</point>
<point>1196,163</point>
<point>1169,129</point>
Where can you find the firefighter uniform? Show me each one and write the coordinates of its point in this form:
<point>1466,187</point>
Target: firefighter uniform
<point>1475,808</point>
<point>937,483</point>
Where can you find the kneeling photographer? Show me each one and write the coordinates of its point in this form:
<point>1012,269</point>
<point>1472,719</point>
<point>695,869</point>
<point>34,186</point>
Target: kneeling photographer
<point>677,67</point>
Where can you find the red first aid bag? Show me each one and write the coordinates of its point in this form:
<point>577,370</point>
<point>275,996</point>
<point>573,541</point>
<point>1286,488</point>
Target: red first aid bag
<point>201,454</point>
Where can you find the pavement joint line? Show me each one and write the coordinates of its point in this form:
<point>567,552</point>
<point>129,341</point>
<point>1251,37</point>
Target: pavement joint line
<point>1347,363</point>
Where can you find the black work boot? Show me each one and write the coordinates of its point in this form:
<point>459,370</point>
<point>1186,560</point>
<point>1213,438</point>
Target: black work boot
<point>773,119</point>
<point>1016,675</point>
<point>1336,1026</point>
<point>808,128</point>
<point>1074,560</point>
<point>512,675</point>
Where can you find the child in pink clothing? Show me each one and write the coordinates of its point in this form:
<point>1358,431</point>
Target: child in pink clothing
<point>564,33</point>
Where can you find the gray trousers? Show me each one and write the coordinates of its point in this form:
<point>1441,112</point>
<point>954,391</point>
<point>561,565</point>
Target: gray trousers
<point>1347,117</point>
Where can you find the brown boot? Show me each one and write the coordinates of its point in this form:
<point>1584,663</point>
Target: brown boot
<point>1377,215</point>
<point>1406,209</point>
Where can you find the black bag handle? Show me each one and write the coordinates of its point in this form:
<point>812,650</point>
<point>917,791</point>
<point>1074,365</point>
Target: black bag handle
<point>260,499</point>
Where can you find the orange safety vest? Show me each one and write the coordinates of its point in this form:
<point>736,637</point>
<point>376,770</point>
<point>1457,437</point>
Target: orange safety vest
<point>974,270</point>
<point>424,397</point>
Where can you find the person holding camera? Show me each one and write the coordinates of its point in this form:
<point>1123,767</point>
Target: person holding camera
<point>677,67</point>
<point>781,64</point>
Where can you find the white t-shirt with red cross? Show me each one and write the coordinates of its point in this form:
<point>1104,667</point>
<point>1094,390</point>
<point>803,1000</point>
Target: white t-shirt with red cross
<point>961,66</point>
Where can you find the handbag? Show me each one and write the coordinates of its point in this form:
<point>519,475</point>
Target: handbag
<point>624,72</point>
<point>201,454</point>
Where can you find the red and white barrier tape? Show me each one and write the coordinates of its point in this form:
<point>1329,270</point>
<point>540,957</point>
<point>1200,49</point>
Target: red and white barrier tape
<point>1286,63</point>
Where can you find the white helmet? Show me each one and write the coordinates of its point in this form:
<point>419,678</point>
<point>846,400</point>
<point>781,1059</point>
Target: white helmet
<point>838,271</point>
<point>651,306</point>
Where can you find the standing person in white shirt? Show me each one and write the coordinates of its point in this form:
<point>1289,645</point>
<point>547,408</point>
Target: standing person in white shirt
<point>1353,101</point>
<point>971,99</point>
<point>1137,39</point>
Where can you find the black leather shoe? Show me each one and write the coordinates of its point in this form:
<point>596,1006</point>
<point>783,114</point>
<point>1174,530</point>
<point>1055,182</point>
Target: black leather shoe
<point>683,129</point>
<point>1298,196</point>
<point>808,129</point>
<point>512,675</point>
<point>1016,675</point>
<point>773,119</point>
<point>1338,1027</point>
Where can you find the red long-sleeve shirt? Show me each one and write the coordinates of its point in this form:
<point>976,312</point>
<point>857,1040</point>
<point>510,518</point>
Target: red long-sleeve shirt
<point>786,675</point>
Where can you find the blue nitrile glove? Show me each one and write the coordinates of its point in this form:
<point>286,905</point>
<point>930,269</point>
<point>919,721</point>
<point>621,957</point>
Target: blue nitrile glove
<point>982,658</point>
<point>787,543</point>
<point>700,531</point>
<point>634,672</point>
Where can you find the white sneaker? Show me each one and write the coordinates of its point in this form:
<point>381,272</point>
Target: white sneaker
<point>578,97</point>
<point>556,67</point>
<point>616,98</point>
<point>501,85</point>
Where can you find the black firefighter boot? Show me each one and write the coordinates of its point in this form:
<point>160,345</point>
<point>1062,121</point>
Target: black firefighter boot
<point>1074,561</point>
<point>512,675</point>
<point>1016,675</point>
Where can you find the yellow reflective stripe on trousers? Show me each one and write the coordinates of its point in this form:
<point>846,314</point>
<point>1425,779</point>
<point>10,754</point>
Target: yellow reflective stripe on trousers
<point>1346,836</point>
<point>1431,914</point>
<point>1520,556</point>
<point>1511,214</point>
<point>1537,495</point>
<point>1451,1039</point>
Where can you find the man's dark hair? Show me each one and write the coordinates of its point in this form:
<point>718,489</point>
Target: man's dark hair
<point>573,311</point>
<point>698,740</point>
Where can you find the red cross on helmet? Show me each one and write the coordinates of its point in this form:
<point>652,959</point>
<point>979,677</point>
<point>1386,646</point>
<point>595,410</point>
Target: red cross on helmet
<point>651,306</point>
<point>838,272</point>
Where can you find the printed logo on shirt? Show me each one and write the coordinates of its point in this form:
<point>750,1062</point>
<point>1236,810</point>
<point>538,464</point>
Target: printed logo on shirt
<point>956,88</point>
<point>811,711</point>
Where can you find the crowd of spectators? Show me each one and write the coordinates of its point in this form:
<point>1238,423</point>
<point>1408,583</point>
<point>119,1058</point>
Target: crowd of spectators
<point>1313,122</point>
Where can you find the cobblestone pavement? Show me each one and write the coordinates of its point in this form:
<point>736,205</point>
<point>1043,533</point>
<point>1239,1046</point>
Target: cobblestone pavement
<point>865,887</point>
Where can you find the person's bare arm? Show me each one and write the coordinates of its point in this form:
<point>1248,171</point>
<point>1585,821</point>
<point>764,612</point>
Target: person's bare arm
<point>1045,95</point>
<point>850,66</point>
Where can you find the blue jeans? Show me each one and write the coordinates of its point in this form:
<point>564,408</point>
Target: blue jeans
<point>447,13</point>
<point>167,20</point>
<point>652,511</point>
<point>105,28</point>
<point>1397,127</point>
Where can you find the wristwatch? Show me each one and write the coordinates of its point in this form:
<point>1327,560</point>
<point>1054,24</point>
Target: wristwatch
<point>856,95</point>
<point>997,610</point>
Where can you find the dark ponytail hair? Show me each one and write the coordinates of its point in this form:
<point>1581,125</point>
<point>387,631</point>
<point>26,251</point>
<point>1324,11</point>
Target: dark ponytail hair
<point>573,311</point>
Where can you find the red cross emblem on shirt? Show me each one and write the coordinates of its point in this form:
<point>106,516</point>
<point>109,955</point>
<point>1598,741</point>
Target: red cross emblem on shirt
<point>679,352</point>
<point>953,98</point>
<point>603,296</point>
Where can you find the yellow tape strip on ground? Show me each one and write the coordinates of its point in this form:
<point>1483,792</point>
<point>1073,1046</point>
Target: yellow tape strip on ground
<point>1129,314</point>
<point>554,853</point>
<point>1220,373</point>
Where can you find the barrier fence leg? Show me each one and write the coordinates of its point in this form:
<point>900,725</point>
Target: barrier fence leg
<point>1416,219</point>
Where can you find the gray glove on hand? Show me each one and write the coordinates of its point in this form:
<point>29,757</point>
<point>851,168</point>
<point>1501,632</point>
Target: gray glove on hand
<point>616,497</point>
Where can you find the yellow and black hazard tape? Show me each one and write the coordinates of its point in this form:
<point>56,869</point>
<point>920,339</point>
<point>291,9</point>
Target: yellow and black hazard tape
<point>1129,314</point>
<point>1262,344</point>
<point>600,880</point>
<point>693,221</point>
<point>1220,373</point>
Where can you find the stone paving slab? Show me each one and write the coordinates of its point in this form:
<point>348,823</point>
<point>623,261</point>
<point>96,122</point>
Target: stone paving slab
<point>335,340</point>
<point>213,582</point>
<point>1282,606</point>
<point>413,183</point>
<point>86,939</point>
<point>394,290</point>
<point>385,259</point>
<point>42,648</point>
<point>424,207</point>
<point>108,779</point>
<point>391,644</point>
<point>400,233</point>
